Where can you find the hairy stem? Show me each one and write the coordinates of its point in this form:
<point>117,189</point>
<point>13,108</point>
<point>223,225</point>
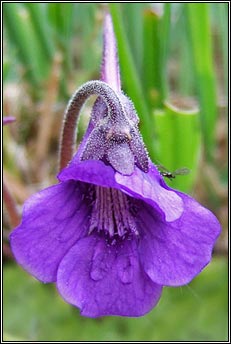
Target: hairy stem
<point>71,116</point>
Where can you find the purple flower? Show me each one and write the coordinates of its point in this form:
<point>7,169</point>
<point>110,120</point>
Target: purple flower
<point>8,120</point>
<point>111,233</point>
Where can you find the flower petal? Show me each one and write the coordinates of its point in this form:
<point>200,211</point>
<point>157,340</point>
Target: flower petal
<point>174,253</point>
<point>110,72</point>
<point>150,188</point>
<point>53,220</point>
<point>89,171</point>
<point>103,279</point>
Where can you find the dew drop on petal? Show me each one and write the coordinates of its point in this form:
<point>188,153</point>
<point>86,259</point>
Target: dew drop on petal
<point>125,269</point>
<point>101,265</point>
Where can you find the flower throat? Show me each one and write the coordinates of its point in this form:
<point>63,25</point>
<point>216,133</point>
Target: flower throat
<point>112,213</point>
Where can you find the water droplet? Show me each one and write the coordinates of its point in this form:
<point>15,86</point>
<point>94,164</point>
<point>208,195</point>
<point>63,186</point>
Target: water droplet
<point>125,269</point>
<point>101,265</point>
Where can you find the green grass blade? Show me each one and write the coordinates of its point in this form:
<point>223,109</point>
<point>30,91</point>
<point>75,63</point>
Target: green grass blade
<point>19,26</point>
<point>6,69</point>
<point>16,36</point>
<point>61,16</point>
<point>88,33</point>
<point>54,16</point>
<point>164,32</point>
<point>186,79</point>
<point>66,18</point>
<point>179,141</point>
<point>151,61</point>
<point>223,24</point>
<point>133,18</point>
<point>200,37</point>
<point>130,76</point>
<point>42,29</point>
<point>156,51</point>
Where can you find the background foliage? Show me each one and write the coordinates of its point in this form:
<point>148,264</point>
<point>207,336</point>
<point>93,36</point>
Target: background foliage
<point>173,60</point>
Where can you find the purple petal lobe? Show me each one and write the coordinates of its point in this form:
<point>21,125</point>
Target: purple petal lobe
<point>53,220</point>
<point>110,68</point>
<point>148,187</point>
<point>121,158</point>
<point>174,253</point>
<point>103,279</point>
<point>89,171</point>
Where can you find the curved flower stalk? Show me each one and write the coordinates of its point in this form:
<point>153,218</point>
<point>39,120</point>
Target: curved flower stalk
<point>111,233</point>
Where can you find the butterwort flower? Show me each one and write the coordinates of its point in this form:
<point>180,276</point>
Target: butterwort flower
<point>111,233</point>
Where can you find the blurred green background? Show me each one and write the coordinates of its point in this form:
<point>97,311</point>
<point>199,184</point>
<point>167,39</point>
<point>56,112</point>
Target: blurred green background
<point>174,66</point>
